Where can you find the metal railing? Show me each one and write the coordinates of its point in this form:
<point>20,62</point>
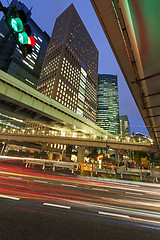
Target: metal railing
<point>73,134</point>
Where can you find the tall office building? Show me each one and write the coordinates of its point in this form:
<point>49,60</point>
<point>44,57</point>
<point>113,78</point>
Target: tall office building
<point>124,126</point>
<point>70,69</point>
<point>108,108</point>
<point>27,69</point>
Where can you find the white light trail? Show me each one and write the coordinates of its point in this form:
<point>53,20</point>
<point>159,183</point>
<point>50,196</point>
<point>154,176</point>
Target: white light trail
<point>67,185</point>
<point>40,181</point>
<point>15,177</point>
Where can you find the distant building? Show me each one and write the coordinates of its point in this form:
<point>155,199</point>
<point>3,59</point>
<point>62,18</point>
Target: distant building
<point>70,70</point>
<point>108,107</point>
<point>124,126</point>
<point>141,137</point>
<point>12,61</point>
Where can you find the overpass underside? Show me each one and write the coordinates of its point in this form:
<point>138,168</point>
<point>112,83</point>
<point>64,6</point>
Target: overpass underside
<point>82,142</point>
<point>132,30</point>
<point>28,105</point>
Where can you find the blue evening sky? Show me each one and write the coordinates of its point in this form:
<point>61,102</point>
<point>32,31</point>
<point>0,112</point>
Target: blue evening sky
<point>44,13</point>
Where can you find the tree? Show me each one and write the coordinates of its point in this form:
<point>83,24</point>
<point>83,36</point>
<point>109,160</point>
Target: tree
<point>70,150</point>
<point>93,153</point>
<point>138,155</point>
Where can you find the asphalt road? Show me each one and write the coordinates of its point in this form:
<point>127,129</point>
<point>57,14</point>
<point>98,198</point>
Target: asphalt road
<point>39,205</point>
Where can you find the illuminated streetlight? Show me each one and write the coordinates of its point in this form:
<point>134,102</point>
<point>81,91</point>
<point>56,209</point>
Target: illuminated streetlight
<point>74,134</point>
<point>63,134</point>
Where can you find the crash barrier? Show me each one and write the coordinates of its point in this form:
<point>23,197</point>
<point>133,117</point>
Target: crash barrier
<point>84,167</point>
<point>43,162</point>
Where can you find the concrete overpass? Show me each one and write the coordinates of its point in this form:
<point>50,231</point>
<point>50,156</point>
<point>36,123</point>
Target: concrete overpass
<point>132,30</point>
<point>78,141</point>
<point>21,101</point>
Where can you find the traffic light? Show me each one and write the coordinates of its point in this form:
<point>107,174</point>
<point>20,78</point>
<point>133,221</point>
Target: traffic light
<point>107,147</point>
<point>16,21</point>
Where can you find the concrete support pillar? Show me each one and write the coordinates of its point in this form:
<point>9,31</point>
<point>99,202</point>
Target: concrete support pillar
<point>117,156</point>
<point>43,146</point>
<point>3,148</point>
<point>80,156</point>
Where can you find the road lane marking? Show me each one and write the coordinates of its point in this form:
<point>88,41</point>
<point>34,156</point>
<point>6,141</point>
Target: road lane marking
<point>15,177</point>
<point>99,189</point>
<point>134,193</point>
<point>67,185</point>
<point>123,209</point>
<point>56,205</point>
<point>9,197</point>
<point>113,214</point>
<point>125,184</point>
<point>40,181</point>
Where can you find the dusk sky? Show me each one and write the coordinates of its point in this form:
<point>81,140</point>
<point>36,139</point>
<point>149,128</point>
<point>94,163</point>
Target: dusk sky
<point>44,13</point>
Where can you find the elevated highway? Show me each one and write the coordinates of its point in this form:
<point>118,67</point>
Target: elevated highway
<point>21,101</point>
<point>78,141</point>
<point>132,30</point>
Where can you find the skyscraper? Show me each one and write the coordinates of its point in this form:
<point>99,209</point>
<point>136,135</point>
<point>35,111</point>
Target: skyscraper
<point>108,108</point>
<point>12,61</point>
<point>124,126</point>
<point>70,69</point>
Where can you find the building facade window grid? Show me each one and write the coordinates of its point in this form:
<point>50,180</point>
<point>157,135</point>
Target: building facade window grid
<point>108,107</point>
<point>71,66</point>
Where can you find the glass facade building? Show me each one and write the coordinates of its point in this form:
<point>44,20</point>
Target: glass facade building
<point>124,126</point>
<point>70,69</point>
<point>27,69</point>
<point>108,107</point>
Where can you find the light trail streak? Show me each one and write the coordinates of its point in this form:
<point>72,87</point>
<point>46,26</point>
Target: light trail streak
<point>145,220</point>
<point>40,181</point>
<point>134,202</point>
<point>106,200</point>
<point>115,183</point>
<point>15,177</point>
<point>84,182</point>
<point>99,189</point>
<point>134,190</point>
<point>33,210</point>
<point>134,193</point>
<point>67,185</point>
<point>129,217</point>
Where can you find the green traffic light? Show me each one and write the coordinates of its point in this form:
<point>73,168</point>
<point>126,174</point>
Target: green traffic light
<point>23,38</point>
<point>17,24</point>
